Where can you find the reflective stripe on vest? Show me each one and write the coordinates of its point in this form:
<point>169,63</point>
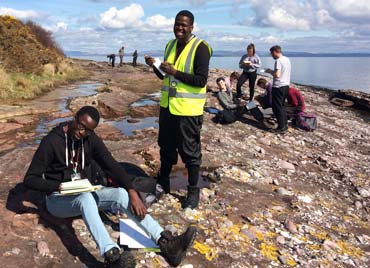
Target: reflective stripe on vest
<point>183,99</point>
<point>172,92</point>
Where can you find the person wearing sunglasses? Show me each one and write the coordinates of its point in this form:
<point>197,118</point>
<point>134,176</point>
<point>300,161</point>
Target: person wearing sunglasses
<point>66,154</point>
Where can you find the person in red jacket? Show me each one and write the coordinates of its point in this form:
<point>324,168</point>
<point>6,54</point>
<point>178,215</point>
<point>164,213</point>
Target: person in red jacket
<point>295,103</point>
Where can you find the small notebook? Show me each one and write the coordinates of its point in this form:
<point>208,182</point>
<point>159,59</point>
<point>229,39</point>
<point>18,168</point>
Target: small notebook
<point>157,64</point>
<point>78,186</point>
<point>133,236</point>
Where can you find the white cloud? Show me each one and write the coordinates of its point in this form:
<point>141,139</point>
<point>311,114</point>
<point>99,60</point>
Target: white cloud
<point>281,18</point>
<point>127,17</point>
<point>20,14</point>
<point>231,39</point>
<point>159,22</point>
<point>131,17</point>
<point>270,39</point>
<point>58,27</point>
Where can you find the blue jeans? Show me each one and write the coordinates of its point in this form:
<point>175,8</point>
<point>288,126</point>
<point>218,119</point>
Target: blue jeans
<point>88,205</point>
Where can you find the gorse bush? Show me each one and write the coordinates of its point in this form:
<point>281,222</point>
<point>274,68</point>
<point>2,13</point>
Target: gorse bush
<point>20,48</point>
<point>44,37</point>
<point>31,62</point>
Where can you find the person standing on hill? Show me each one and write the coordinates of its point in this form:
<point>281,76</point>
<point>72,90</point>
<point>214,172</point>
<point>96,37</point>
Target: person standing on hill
<point>121,53</point>
<point>249,62</point>
<point>186,65</point>
<point>280,86</point>
<point>134,58</point>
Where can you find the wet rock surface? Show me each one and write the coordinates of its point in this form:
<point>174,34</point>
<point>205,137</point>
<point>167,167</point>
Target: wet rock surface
<point>298,200</point>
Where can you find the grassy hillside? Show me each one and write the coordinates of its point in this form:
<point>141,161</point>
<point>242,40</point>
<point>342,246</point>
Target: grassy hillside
<point>30,60</point>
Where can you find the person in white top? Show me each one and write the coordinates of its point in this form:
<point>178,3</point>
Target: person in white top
<point>280,85</point>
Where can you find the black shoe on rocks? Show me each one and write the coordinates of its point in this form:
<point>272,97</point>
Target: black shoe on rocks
<point>173,248</point>
<point>165,183</point>
<point>280,130</point>
<point>192,200</point>
<point>115,259</point>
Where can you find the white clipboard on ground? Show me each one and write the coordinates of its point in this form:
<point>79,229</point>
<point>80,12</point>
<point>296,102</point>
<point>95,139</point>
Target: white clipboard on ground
<point>133,236</point>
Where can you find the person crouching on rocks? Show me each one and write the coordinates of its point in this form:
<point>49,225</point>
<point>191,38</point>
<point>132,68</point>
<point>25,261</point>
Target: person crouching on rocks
<point>66,154</point>
<point>266,98</point>
<point>295,103</point>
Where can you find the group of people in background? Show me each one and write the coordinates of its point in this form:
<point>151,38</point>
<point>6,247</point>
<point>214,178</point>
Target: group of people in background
<point>284,100</point>
<point>121,54</point>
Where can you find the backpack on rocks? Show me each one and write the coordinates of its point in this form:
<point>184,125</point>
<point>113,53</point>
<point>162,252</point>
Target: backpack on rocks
<point>306,121</point>
<point>226,117</point>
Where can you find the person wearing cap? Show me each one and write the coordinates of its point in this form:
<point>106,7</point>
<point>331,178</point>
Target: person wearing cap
<point>186,65</point>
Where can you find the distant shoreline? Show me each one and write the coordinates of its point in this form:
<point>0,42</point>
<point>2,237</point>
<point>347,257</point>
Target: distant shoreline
<point>326,89</point>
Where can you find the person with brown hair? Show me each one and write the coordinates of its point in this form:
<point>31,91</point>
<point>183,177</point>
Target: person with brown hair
<point>280,86</point>
<point>249,62</point>
<point>266,98</point>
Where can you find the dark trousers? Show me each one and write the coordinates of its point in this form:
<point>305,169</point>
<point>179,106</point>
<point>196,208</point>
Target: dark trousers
<point>134,60</point>
<point>279,95</point>
<point>251,77</point>
<point>180,135</point>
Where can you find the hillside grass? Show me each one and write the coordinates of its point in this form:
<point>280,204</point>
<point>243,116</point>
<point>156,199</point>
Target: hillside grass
<point>16,86</point>
<point>31,62</point>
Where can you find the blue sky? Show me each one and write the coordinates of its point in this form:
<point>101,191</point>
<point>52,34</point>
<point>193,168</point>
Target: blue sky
<point>101,26</point>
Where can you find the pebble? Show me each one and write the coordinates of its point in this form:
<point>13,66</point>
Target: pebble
<point>358,205</point>
<point>363,192</point>
<point>280,239</point>
<point>286,165</point>
<point>290,226</point>
<point>16,251</point>
<point>187,266</point>
<point>283,260</point>
<point>43,248</point>
<point>305,199</point>
<point>264,141</point>
<point>283,191</point>
<point>249,233</point>
<point>328,244</point>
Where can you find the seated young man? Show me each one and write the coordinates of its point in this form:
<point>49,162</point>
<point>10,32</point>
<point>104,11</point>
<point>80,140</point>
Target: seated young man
<point>295,102</point>
<point>266,98</point>
<point>65,154</point>
<point>225,94</point>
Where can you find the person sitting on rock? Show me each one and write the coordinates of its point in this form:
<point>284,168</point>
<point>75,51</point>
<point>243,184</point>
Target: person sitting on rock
<point>234,76</point>
<point>266,98</point>
<point>225,95</point>
<point>295,103</point>
<point>66,154</point>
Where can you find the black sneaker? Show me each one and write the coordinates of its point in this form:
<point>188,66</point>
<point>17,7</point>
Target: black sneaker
<point>280,130</point>
<point>112,255</point>
<point>173,248</point>
<point>115,259</point>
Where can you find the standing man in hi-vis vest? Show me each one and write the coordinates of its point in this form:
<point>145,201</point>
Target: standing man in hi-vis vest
<point>186,64</point>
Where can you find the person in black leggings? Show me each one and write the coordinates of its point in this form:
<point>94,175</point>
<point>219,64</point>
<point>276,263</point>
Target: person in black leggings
<point>250,62</point>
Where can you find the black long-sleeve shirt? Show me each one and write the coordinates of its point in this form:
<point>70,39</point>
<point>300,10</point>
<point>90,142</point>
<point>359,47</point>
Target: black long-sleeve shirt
<point>201,66</point>
<point>48,168</point>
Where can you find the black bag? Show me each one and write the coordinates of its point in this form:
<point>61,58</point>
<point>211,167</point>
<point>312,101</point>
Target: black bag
<point>145,185</point>
<point>256,113</point>
<point>226,117</point>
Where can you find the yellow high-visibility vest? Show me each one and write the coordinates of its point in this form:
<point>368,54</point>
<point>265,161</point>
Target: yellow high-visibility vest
<point>183,99</point>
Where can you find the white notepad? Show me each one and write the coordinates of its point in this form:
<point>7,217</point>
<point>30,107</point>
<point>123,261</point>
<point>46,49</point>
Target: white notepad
<point>78,186</point>
<point>133,236</point>
<point>157,63</point>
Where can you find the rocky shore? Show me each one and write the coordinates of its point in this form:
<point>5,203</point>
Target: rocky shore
<point>298,200</point>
